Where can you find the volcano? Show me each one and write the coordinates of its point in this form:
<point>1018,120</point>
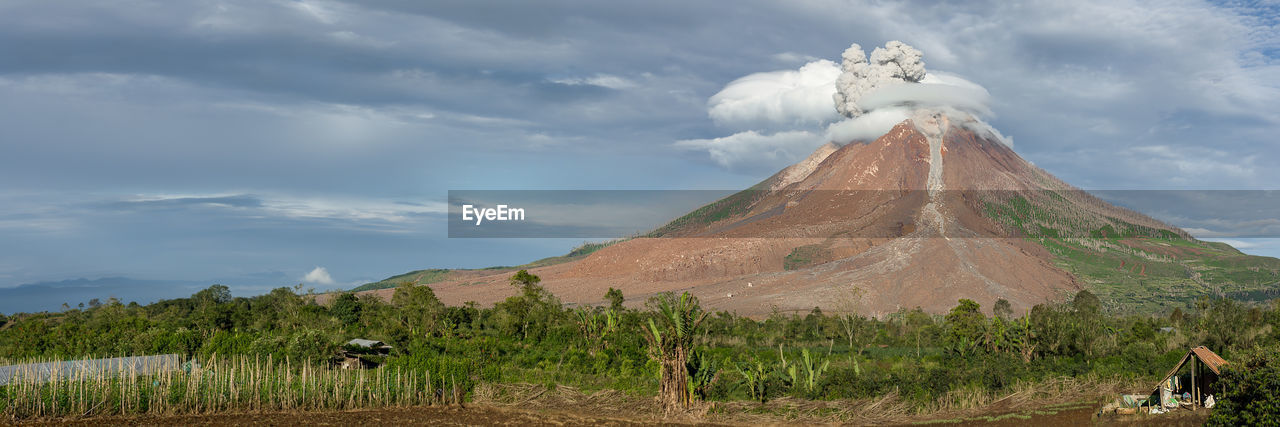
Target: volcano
<point>933,211</point>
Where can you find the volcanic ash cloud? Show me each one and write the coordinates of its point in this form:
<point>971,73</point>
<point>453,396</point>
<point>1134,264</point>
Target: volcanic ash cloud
<point>781,116</point>
<point>894,63</point>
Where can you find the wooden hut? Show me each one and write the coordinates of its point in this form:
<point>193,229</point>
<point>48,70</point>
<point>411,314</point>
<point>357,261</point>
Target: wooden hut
<point>1199,383</point>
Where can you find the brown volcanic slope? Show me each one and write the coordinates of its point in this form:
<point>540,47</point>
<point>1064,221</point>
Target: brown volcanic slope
<point>871,227</point>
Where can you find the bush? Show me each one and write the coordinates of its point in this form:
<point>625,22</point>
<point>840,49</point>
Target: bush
<point>1250,392</point>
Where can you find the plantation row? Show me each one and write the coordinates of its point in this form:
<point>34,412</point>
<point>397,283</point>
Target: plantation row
<point>671,348</point>
<point>237,384</point>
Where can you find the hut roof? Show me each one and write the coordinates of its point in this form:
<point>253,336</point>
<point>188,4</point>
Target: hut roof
<point>358,342</point>
<point>1208,357</point>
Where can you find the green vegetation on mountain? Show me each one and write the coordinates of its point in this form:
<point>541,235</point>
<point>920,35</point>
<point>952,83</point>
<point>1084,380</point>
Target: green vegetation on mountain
<point>586,248</point>
<point>804,256</point>
<point>734,205</point>
<point>421,277</point>
<point>1133,267</point>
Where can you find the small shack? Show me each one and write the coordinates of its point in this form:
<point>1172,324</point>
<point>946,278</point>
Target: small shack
<point>363,354</point>
<point>1195,387</point>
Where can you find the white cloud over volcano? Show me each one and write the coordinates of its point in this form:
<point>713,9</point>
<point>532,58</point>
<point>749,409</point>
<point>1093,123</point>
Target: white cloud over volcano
<point>778,98</point>
<point>781,116</point>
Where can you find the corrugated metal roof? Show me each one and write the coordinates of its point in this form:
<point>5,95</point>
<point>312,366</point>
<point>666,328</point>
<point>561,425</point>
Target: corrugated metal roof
<point>365,343</point>
<point>1210,359</point>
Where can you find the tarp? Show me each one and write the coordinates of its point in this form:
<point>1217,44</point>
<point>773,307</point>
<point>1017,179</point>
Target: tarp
<point>44,372</point>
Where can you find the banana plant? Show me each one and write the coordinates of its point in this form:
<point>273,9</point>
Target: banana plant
<point>806,373</point>
<point>812,369</point>
<point>703,371</point>
<point>672,329</point>
<point>755,377</point>
<point>789,372</point>
<point>596,327</point>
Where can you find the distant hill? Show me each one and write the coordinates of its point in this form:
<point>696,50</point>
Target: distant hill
<point>49,296</point>
<point>429,276</point>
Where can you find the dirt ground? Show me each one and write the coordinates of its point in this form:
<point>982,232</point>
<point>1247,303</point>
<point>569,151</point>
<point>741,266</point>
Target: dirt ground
<point>430,415</point>
<point>1085,416</point>
<point>490,415</point>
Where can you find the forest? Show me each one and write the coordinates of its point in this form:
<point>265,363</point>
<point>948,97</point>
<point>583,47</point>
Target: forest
<point>669,346</point>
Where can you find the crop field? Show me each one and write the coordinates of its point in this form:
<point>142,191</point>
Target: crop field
<point>220,385</point>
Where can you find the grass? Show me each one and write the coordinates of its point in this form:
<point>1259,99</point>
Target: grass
<point>586,248</point>
<point>222,385</point>
<point>729,207</point>
<point>803,256</point>
<point>421,277</point>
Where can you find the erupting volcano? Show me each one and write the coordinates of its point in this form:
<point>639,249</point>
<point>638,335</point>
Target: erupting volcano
<point>935,206</point>
<point>898,222</point>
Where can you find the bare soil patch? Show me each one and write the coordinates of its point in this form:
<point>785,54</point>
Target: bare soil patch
<point>469,415</point>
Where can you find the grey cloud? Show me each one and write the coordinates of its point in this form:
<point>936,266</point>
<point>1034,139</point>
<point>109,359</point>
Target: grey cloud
<point>391,101</point>
<point>235,201</point>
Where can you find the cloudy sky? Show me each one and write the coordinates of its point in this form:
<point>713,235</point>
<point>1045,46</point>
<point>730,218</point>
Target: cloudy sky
<point>264,143</point>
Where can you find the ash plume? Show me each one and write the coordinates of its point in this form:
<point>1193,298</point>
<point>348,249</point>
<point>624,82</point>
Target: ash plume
<point>780,116</point>
<point>894,63</point>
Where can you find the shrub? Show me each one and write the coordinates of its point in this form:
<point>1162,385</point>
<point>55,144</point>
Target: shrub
<point>1250,392</point>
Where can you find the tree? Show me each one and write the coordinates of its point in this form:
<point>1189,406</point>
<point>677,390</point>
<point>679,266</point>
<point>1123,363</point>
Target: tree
<point>615,298</point>
<point>917,322</point>
<point>533,302</point>
<point>281,308</point>
<point>525,281</point>
<point>672,327</point>
<point>1087,303</point>
<point>1249,391</point>
<point>1002,309</point>
<point>966,326</point>
<point>346,307</point>
<point>1087,324</point>
<point>417,308</point>
<point>216,294</point>
<point>212,311</point>
<point>854,327</point>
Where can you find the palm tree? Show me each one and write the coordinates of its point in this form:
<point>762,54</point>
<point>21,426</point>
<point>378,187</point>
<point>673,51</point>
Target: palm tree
<point>671,331</point>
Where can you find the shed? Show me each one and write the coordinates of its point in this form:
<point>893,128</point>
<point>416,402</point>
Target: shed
<point>368,344</point>
<point>1206,366</point>
<point>362,354</point>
